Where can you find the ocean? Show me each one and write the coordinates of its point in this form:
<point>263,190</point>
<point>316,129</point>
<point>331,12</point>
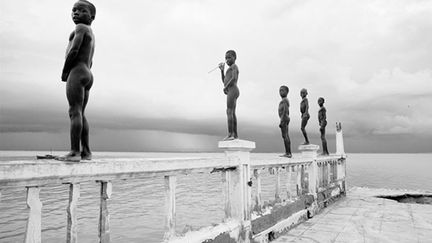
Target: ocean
<point>137,206</point>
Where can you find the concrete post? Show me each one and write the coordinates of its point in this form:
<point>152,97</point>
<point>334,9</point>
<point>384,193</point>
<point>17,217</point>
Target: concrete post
<point>238,184</point>
<point>339,140</point>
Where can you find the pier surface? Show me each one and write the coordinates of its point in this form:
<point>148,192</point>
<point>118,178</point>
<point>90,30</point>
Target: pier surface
<point>363,217</point>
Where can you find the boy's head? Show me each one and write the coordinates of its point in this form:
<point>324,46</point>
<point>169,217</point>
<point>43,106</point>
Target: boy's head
<point>320,101</point>
<point>230,57</point>
<point>303,92</point>
<point>83,12</point>
<point>283,91</point>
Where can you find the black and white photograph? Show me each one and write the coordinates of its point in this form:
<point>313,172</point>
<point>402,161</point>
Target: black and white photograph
<point>215,121</point>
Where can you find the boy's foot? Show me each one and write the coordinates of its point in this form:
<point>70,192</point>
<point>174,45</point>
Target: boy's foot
<point>71,156</point>
<point>305,143</point>
<point>324,154</point>
<point>86,156</point>
<point>230,138</point>
<point>286,155</point>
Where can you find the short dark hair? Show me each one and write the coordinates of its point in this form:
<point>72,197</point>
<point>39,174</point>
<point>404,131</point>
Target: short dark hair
<point>321,98</point>
<point>91,7</point>
<point>285,87</point>
<point>232,52</point>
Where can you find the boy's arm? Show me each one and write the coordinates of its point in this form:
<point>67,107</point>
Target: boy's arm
<point>222,68</point>
<point>80,31</point>
<point>222,75</point>
<point>234,77</point>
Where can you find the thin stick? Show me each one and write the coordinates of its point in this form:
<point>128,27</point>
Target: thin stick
<point>216,67</point>
<point>213,69</point>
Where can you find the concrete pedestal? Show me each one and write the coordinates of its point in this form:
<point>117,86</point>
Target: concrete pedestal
<point>236,145</point>
<point>309,151</point>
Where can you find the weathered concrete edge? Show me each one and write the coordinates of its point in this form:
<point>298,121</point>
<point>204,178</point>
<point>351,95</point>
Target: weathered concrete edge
<point>328,196</point>
<point>281,227</point>
<point>371,191</point>
<point>278,212</point>
<point>227,230</point>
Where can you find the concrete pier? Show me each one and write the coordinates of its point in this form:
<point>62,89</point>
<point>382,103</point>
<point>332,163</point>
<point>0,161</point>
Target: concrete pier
<point>363,217</point>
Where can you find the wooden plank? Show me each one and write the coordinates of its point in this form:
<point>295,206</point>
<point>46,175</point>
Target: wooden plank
<point>104,224</point>
<point>72,220</point>
<point>170,206</point>
<point>33,228</point>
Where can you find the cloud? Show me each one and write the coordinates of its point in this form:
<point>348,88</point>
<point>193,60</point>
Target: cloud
<point>369,59</point>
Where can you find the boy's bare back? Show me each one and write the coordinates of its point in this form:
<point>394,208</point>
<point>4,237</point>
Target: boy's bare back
<point>80,49</point>
<point>85,53</point>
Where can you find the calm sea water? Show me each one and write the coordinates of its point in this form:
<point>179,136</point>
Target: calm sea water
<point>137,206</point>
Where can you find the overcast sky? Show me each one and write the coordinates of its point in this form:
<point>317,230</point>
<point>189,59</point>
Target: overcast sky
<point>370,60</point>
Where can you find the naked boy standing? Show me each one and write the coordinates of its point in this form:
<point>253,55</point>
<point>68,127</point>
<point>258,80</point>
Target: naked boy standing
<point>232,92</point>
<point>79,79</point>
<point>322,120</point>
<point>304,109</point>
<point>283,111</point>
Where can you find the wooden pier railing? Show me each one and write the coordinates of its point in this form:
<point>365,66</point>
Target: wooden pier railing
<point>311,183</point>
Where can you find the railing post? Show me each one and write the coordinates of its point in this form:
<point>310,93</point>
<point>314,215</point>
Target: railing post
<point>277,188</point>
<point>313,178</point>
<point>290,170</point>
<point>33,229</point>
<point>340,150</point>
<point>170,206</point>
<point>239,184</point>
<point>72,221</point>
<point>104,217</point>
<point>327,171</point>
<point>298,181</point>
<point>258,198</point>
<point>226,180</point>
<point>310,151</point>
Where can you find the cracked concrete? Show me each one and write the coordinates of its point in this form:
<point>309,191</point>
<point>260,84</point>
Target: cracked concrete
<point>362,217</point>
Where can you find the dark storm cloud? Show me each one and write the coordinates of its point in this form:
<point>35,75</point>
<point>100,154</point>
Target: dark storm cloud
<point>369,59</point>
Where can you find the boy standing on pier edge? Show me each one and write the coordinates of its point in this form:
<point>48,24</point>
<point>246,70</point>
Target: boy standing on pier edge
<point>231,90</point>
<point>79,79</point>
<point>304,109</point>
<point>322,120</point>
<point>284,119</point>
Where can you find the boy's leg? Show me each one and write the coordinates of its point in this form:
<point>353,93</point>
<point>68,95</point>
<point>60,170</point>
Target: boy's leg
<point>231,119</point>
<point>286,139</point>
<point>85,153</point>
<point>303,129</point>
<point>324,141</point>
<point>234,126</point>
<point>229,123</point>
<point>75,96</point>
